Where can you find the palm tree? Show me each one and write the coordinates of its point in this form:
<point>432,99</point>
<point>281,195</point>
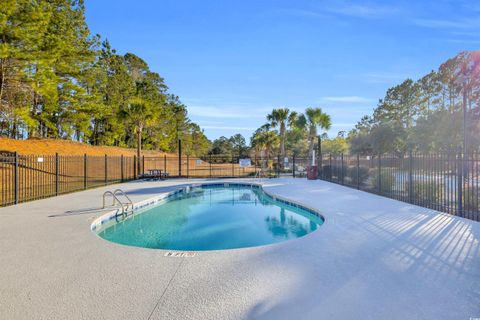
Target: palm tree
<point>264,139</point>
<point>313,119</point>
<point>280,117</point>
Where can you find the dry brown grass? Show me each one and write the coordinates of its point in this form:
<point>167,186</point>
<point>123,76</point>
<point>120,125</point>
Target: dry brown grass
<point>65,147</point>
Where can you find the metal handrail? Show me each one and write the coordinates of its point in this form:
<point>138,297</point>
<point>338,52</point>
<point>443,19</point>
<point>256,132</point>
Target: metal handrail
<point>125,195</point>
<point>113,203</point>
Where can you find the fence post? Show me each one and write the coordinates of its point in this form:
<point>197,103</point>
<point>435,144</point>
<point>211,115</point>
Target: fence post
<point>460,185</point>
<point>84,171</point>
<point>210,162</point>
<point>17,178</point>
<point>255,164</point>
<point>106,170</point>
<point>320,157</point>
<point>331,168</point>
<point>379,174</point>
<point>410,176</point>
<point>342,171</point>
<point>278,166</point>
<point>179,158</point>
<point>233,165</point>
<point>188,166</point>
<point>121,168</point>
<point>293,165</point>
<point>165,163</point>
<point>57,169</point>
<point>358,171</point>
<point>143,164</point>
<point>135,177</point>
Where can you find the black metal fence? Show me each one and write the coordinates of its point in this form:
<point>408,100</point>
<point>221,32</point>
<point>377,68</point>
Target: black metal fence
<point>444,182</point>
<point>213,166</point>
<point>225,166</point>
<point>30,177</point>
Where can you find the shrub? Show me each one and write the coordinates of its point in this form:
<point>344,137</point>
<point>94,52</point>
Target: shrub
<point>333,172</point>
<point>327,172</point>
<point>425,192</point>
<point>471,200</point>
<point>387,181</point>
<point>363,174</point>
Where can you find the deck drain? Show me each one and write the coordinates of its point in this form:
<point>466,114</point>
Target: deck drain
<point>177,254</point>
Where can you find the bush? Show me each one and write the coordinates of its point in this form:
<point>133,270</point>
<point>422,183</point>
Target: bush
<point>471,200</point>
<point>425,192</point>
<point>333,172</point>
<point>387,181</point>
<point>327,172</point>
<point>363,174</point>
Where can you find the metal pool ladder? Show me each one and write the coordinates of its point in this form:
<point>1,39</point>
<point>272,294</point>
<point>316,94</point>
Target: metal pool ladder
<point>124,205</point>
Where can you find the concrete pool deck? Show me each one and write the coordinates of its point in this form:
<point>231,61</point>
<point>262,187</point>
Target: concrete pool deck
<point>374,258</point>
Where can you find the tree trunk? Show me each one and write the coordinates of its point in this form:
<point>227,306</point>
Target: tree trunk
<point>312,137</point>
<point>310,149</point>
<point>282,145</point>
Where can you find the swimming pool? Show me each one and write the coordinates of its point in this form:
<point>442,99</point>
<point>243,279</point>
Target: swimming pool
<point>214,217</point>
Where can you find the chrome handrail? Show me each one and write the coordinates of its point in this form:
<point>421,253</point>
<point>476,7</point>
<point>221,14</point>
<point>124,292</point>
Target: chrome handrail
<point>113,203</point>
<point>130,202</point>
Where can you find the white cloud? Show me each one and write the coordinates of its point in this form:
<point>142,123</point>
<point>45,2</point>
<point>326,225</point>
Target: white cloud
<point>345,9</point>
<point>465,41</point>
<point>465,33</point>
<point>335,125</point>
<point>305,13</point>
<point>362,11</point>
<point>465,23</point>
<point>227,128</point>
<point>227,112</point>
<point>388,78</point>
<point>349,99</point>
<point>466,19</point>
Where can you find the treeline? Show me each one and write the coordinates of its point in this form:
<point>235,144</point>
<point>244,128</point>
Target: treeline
<point>59,81</point>
<point>427,115</point>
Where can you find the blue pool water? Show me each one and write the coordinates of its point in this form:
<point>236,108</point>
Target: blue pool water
<point>214,218</point>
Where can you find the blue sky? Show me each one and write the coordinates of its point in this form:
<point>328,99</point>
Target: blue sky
<point>231,62</point>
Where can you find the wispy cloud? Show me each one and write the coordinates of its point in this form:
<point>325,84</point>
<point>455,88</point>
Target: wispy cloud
<point>376,77</point>
<point>343,125</point>
<point>329,9</point>
<point>349,99</point>
<point>465,33</point>
<point>466,17</point>
<point>226,112</point>
<point>383,77</point>
<point>361,10</point>
<point>463,23</point>
<point>228,128</point>
<point>463,41</point>
<point>304,13</point>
